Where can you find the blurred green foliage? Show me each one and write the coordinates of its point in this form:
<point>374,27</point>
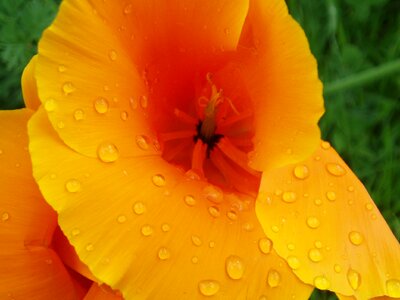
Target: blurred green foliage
<point>346,36</point>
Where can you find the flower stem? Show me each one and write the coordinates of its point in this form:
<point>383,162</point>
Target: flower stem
<point>363,78</point>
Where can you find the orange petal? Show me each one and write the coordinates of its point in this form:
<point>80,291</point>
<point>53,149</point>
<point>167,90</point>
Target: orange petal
<point>324,223</point>
<point>28,268</point>
<point>152,232</point>
<point>102,292</point>
<point>29,87</point>
<point>281,75</point>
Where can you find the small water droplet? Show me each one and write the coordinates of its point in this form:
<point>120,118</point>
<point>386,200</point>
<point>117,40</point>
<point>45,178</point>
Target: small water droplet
<point>75,232</point>
<point>289,197</point>
<point>265,245</point>
<point>321,282</point>
<point>144,101</point>
<point>214,211</point>
<point>315,255</point>
<point>50,105</point>
<point>143,142</point>
<point>335,169</point>
<point>350,188</point>
<point>121,219</point>
<point>318,244</point>
<point>301,172</point>
<point>232,215</point>
<point>273,278</point>
<point>73,185</point>
<point>337,268</point>
<point>147,230</point>
<point>356,238</point>
<point>124,115</point>
<point>79,115</point>
<point>196,240</point>
<point>68,88</point>
<point>60,125</point>
<point>325,145</point>
<point>139,208</point>
<point>164,253</point>
<point>291,246</point>
<point>107,152</point>
<point>318,202</point>
<point>128,9</point>
<point>278,192</point>
<point>112,55</point>
<point>165,227</point>
<point>158,180</point>
<point>354,279</point>
<point>393,288</point>
<point>248,226</point>
<point>209,287</point>
<point>211,244</point>
<point>195,259</point>
<point>5,216</point>
<point>331,196</point>
<point>313,222</point>
<point>62,68</point>
<point>101,105</point>
<point>293,262</point>
<point>369,206</point>
<point>234,266</point>
<point>89,247</point>
<point>189,200</point>
<point>213,194</point>
<point>275,228</point>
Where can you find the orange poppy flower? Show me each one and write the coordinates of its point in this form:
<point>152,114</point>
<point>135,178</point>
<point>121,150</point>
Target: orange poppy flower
<point>178,143</point>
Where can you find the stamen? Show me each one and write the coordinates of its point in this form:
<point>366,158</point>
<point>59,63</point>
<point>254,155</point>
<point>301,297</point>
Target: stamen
<point>198,157</point>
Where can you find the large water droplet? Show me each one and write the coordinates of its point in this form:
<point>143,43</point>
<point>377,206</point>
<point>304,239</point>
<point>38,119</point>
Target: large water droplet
<point>101,105</point>
<point>289,197</point>
<point>335,169</point>
<point>313,222</point>
<point>164,253</point>
<point>354,279</point>
<point>393,288</point>
<point>315,255</point>
<point>273,278</point>
<point>213,194</point>
<point>209,287</point>
<point>143,142</point>
<point>79,115</point>
<point>214,211</point>
<point>293,262</point>
<point>356,238</point>
<point>265,245</point>
<point>158,180</point>
<point>139,208</point>
<point>147,230</point>
<point>196,240</point>
<point>321,282</point>
<point>73,185</point>
<point>234,267</point>
<point>301,172</point>
<point>107,152</point>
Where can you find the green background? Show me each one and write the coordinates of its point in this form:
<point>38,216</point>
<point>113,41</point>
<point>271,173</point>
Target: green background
<point>357,45</point>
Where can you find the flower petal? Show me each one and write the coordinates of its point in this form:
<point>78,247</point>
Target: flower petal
<point>101,292</point>
<point>28,268</point>
<point>147,229</point>
<point>29,87</point>
<point>97,89</point>
<point>324,223</point>
<point>282,80</point>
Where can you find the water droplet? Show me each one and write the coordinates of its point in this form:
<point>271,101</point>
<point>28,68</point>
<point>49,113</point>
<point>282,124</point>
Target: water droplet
<point>158,180</point>
<point>211,244</point>
<point>60,125</point>
<point>139,208</point>
<point>214,211</point>
<point>124,116</point>
<point>89,247</point>
<point>291,246</point>
<point>147,230</point>
<point>189,200</point>
<point>315,255</point>
<point>393,288</point>
<point>313,222</point>
<point>133,103</point>
<point>195,259</point>
<point>301,172</point>
<point>354,279</point>
<point>128,9</point>
<point>209,287</point>
<point>196,240</point>
<point>213,194</point>
<point>318,244</point>
<point>331,196</point>
<point>165,227</point>
<point>112,55</point>
<point>337,268</point>
<point>369,206</point>
<point>121,219</point>
<point>143,142</point>
<point>75,232</point>
<point>321,282</point>
<point>232,215</point>
<point>144,102</point>
<point>325,145</point>
<point>318,202</point>
<point>350,188</point>
<point>163,253</point>
<point>227,31</point>
<point>293,262</point>
<point>68,88</point>
<point>5,216</point>
<point>275,228</point>
<point>50,105</point>
<point>234,267</point>
<point>289,197</point>
<point>79,115</point>
<point>73,186</point>
<point>356,238</point>
<point>248,226</point>
<point>62,68</point>
<point>278,192</point>
<point>273,278</point>
<point>265,245</point>
<point>101,105</point>
<point>107,152</point>
<point>335,169</point>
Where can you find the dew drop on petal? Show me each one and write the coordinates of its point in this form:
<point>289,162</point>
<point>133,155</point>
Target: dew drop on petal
<point>335,169</point>
<point>273,278</point>
<point>89,247</point>
<point>62,68</point>
<point>289,197</point>
<point>101,105</point>
<point>331,196</point>
<point>393,288</point>
<point>112,55</point>
<point>265,245</point>
<point>73,185</point>
<point>213,194</point>
<point>315,255</point>
<point>146,230</point>
<point>291,246</point>
<point>369,206</point>
<point>293,262</point>
<point>121,219</point>
<point>313,222</point>
<point>128,9</point>
<point>189,200</point>
<point>139,208</point>
<point>350,188</point>
<point>124,116</point>
<point>133,103</point>
<point>50,105</point>
<point>79,115</point>
<point>214,211</point>
<point>142,142</point>
<point>5,216</point>
<point>209,287</point>
<point>301,172</point>
<point>196,240</point>
<point>356,238</point>
<point>68,88</point>
<point>165,227</point>
<point>232,215</point>
<point>318,244</point>
<point>144,102</point>
<point>234,266</point>
<point>195,259</point>
<point>164,253</point>
<point>337,268</point>
<point>318,202</point>
<point>107,152</point>
<point>158,180</point>
<point>321,282</point>
<point>354,279</point>
<point>75,232</point>
<point>275,228</point>
<point>325,145</point>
